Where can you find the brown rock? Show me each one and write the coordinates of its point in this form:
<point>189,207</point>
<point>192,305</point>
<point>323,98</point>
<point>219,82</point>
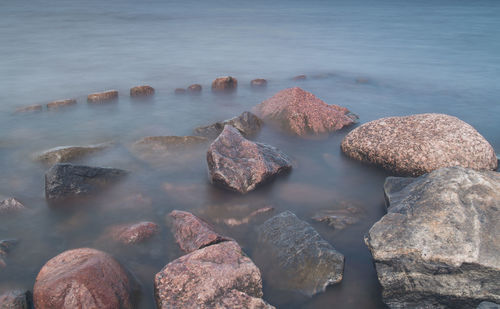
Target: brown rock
<point>28,109</point>
<point>84,278</point>
<point>258,83</point>
<point>301,113</point>
<point>300,77</point>
<point>15,299</point>
<point>60,103</point>
<point>226,83</point>
<point>180,91</point>
<point>133,233</point>
<point>11,205</point>
<point>194,89</point>
<point>102,96</point>
<point>247,123</point>
<point>417,144</point>
<point>240,165</point>
<point>142,91</point>
<point>192,233</point>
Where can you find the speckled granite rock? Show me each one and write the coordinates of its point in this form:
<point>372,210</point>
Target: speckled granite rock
<point>104,96</point>
<point>69,153</point>
<point>60,103</point>
<point>226,83</point>
<point>417,144</point>
<point>133,233</point>
<point>142,91</point>
<point>293,256</point>
<point>438,245</point>
<point>11,205</point>
<point>247,123</point>
<point>240,165</point>
<point>302,113</point>
<point>15,299</point>
<point>84,278</point>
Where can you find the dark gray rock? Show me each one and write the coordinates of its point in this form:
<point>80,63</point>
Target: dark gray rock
<point>488,305</point>
<point>247,123</point>
<point>293,256</point>
<point>438,245</point>
<point>15,299</point>
<point>66,180</point>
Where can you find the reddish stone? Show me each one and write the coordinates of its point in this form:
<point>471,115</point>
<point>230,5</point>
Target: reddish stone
<point>28,109</point>
<point>225,83</point>
<point>61,103</point>
<point>102,96</point>
<point>195,88</point>
<point>133,233</point>
<point>258,83</point>
<point>142,91</point>
<point>11,205</point>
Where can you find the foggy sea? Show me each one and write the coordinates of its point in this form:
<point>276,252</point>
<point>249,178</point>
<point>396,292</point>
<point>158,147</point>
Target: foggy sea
<point>377,58</point>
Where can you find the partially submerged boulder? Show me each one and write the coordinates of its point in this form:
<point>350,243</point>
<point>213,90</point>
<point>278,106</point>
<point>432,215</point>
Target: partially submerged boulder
<point>104,96</point>
<point>240,165</point>
<point>299,77</point>
<point>226,83</point>
<point>142,91</point>
<point>301,113</point>
<point>64,154</point>
<point>60,103</point>
<point>417,144</point>
<point>293,256</point>
<point>194,89</point>
<point>11,205</point>
<point>29,109</point>
<point>15,299</point>
<point>134,233</point>
<point>247,123</point>
<point>258,83</point>
<point>438,245</point>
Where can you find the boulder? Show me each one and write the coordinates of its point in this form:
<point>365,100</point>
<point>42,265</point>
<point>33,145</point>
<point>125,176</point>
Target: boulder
<point>226,83</point>
<point>65,180</point>
<point>194,89</point>
<point>238,164</point>
<point>11,205</point>
<point>104,96</point>
<point>294,256</point>
<point>142,91</point>
<point>29,109</point>
<point>438,244</point>
<point>247,123</point>
<point>15,299</point>
<point>60,103</point>
<point>64,154</point>
<point>180,91</point>
<point>301,113</point>
<point>417,144</point>
<point>129,234</point>
<point>84,278</point>
<point>258,83</point>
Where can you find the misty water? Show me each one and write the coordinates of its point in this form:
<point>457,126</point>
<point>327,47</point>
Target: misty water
<point>378,59</point>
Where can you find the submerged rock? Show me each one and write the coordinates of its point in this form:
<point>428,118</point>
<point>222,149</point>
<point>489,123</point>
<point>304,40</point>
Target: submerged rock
<point>302,113</point>
<point>240,165</point>
<point>338,219</point>
<point>11,205</point>
<point>132,233</point>
<point>295,257</point>
<point>15,299</point>
<point>65,180</point>
<point>29,109</point>
<point>142,91</point>
<point>438,245</point>
<point>102,96</point>
<point>84,278</point>
<point>226,83</point>
<point>5,246</point>
<point>180,91</point>
<point>417,144</point>
<point>258,83</point>
<point>300,77</point>
<point>488,305</point>
<point>60,103</point>
<point>69,153</point>
<point>194,89</point>
<point>247,123</point>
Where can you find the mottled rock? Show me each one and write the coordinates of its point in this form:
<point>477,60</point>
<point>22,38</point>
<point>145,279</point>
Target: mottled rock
<point>29,109</point>
<point>338,219</point>
<point>64,154</point>
<point>240,165</point>
<point>132,233</point>
<point>438,245</point>
<point>295,257</point>
<point>84,278</point>
<point>180,91</point>
<point>247,123</point>
<point>104,96</point>
<point>301,113</point>
<point>226,83</point>
<point>11,205</point>
<point>237,299</point>
<point>60,103</point>
<point>142,91</point>
<point>194,89</point>
<point>488,305</point>
<point>258,83</point>
<point>15,299</point>
<point>417,144</point>
<point>300,77</point>
<point>65,180</point>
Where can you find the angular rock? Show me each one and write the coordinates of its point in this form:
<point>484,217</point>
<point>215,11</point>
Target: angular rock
<point>104,96</point>
<point>15,299</point>
<point>240,165</point>
<point>301,113</point>
<point>209,278</point>
<point>84,278</point>
<point>29,109</point>
<point>142,91</point>
<point>64,154</point>
<point>295,257</point>
<point>258,83</point>
<point>11,205</point>
<point>417,144</point>
<point>194,89</point>
<point>339,219</point>
<point>226,83</point>
<point>247,123</point>
<point>60,103</point>
<point>438,245</point>
<point>65,180</point>
<point>133,233</point>
<point>192,233</point>
<point>180,91</point>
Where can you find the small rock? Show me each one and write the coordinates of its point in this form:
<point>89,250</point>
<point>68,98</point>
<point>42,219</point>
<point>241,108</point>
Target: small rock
<point>194,89</point>
<point>226,83</point>
<point>258,83</point>
<point>97,97</point>
<point>299,77</point>
<point>15,299</point>
<point>488,305</point>
<point>11,205</point>
<point>65,154</point>
<point>60,103</point>
<point>247,123</point>
<point>338,219</point>
<point>5,247</point>
<point>246,220</point>
<point>133,233</point>
<point>142,91</point>
<point>180,91</point>
<point>240,165</point>
<point>29,109</point>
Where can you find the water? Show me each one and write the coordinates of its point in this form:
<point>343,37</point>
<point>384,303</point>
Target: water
<point>415,56</point>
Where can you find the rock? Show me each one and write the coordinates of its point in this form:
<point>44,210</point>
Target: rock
<point>64,154</point>
<point>132,233</point>
<point>238,164</point>
<point>338,219</point>
<point>438,245</point>
<point>60,103</point>
<point>11,205</point>
<point>104,96</point>
<point>29,109</point>
<point>142,91</point>
<point>194,89</point>
<point>5,247</point>
<point>417,144</point>
<point>246,220</point>
<point>258,83</point>
<point>180,91</point>
<point>247,123</point>
<point>15,299</point>
<point>295,257</point>
<point>192,233</point>
<point>488,305</point>
<point>301,113</point>
<point>226,83</point>
<point>84,278</point>
<point>65,180</point>
<point>299,77</point>
<point>210,277</point>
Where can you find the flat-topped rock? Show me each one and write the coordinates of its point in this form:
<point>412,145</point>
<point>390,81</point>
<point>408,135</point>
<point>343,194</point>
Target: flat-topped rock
<point>10,206</point>
<point>226,83</point>
<point>194,89</point>
<point>247,123</point>
<point>417,144</point>
<point>132,233</point>
<point>29,109</point>
<point>104,96</point>
<point>142,91</point>
<point>60,103</point>
<point>65,154</point>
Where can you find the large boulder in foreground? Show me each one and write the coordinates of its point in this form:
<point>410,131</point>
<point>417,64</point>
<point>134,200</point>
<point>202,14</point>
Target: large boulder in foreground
<point>84,278</point>
<point>439,246</point>
<point>69,153</point>
<point>247,123</point>
<point>302,113</point>
<point>417,144</point>
<point>238,164</point>
<point>293,256</point>
<point>64,180</point>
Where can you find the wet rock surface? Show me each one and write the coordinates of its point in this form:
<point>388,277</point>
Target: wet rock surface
<point>417,144</point>
<point>226,83</point>
<point>142,91</point>
<point>11,206</point>
<point>194,89</point>
<point>301,113</point>
<point>438,245</point>
<point>104,96</point>
<point>240,165</point>
<point>339,219</point>
<point>295,257</point>
<point>247,123</point>
<point>84,278</point>
<point>65,180</point>
<point>15,299</point>
<point>64,154</point>
<point>258,83</point>
<point>299,77</point>
<point>134,233</point>
<point>60,104</point>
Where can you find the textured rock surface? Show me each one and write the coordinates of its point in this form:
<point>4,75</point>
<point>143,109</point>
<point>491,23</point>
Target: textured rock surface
<point>192,233</point>
<point>194,88</point>
<point>69,153</point>
<point>295,257</point>
<point>28,109</point>
<point>258,83</point>
<point>247,123</point>
<point>339,219</point>
<point>65,180</point>
<point>133,233</point>
<point>142,91</point>
<point>102,96</point>
<point>417,144</point>
<point>226,83</point>
<point>240,165</point>
<point>5,246</point>
<point>60,103</point>
<point>11,205</point>
<point>438,245</point>
<point>15,299</point>
<point>302,113</point>
<point>84,278</point>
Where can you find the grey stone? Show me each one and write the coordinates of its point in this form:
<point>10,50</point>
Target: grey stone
<point>488,305</point>
<point>69,153</point>
<point>247,123</point>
